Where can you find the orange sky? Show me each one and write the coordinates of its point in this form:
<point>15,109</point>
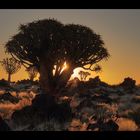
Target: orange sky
<point>120,30</point>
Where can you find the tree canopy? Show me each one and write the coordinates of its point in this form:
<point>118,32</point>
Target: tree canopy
<point>48,44</point>
<point>11,66</point>
<point>32,72</point>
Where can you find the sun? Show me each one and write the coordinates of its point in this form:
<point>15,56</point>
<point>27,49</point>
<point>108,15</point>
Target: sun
<point>75,73</point>
<point>64,67</point>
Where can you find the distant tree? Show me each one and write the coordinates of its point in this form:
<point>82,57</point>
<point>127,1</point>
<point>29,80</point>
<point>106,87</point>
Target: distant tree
<point>86,74</point>
<point>48,45</point>
<point>83,75</point>
<point>32,72</point>
<point>11,66</point>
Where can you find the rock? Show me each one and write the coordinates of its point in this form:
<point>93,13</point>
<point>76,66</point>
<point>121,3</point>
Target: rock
<point>4,83</point>
<point>24,116</point>
<point>44,102</point>
<point>136,99</point>
<point>95,82</point>
<point>3,125</point>
<point>92,126</point>
<point>128,83</point>
<point>85,103</point>
<point>63,113</point>
<point>43,108</point>
<point>8,97</point>
<point>109,126</point>
<point>102,99</point>
<point>47,105</point>
<point>73,83</point>
<point>84,95</point>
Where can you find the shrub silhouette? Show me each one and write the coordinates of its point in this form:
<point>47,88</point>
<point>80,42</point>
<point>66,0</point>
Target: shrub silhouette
<point>27,81</point>
<point>128,83</point>
<point>32,72</point>
<point>83,75</point>
<point>11,66</point>
<point>48,44</point>
<point>4,83</point>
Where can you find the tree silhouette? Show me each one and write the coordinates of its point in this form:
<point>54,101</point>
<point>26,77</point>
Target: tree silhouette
<point>86,74</point>
<point>32,72</point>
<point>83,75</point>
<point>11,66</point>
<point>48,44</point>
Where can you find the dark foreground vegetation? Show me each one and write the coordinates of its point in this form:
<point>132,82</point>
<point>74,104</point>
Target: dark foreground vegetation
<point>82,106</point>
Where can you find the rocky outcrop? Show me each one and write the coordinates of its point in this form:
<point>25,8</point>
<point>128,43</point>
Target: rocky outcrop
<point>8,97</point>
<point>43,108</point>
<point>128,84</point>
<point>3,125</point>
<point>108,126</point>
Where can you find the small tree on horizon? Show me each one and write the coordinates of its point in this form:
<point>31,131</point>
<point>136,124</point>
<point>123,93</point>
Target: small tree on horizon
<point>32,72</point>
<point>83,75</point>
<point>11,66</point>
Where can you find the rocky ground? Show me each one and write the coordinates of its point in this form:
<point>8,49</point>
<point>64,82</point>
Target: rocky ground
<point>82,106</point>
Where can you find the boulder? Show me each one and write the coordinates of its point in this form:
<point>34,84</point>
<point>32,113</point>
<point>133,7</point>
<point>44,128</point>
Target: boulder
<point>128,83</point>
<point>108,126</point>
<point>8,97</point>
<point>4,83</point>
<point>3,125</point>
<point>102,99</point>
<point>85,103</point>
<point>43,108</point>
<point>93,126</point>
<point>24,116</point>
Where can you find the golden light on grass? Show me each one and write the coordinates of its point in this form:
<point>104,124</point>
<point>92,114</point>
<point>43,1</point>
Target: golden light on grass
<point>127,125</point>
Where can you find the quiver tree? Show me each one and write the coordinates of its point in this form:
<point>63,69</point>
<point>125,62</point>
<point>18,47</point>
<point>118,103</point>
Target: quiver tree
<point>32,72</point>
<point>48,45</point>
<point>11,66</point>
<point>83,75</point>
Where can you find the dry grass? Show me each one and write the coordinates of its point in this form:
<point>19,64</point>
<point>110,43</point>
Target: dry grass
<point>7,108</point>
<point>127,125</point>
<point>75,125</point>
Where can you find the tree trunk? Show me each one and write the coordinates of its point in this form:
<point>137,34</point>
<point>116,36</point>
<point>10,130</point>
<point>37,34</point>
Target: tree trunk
<point>9,77</point>
<point>48,82</point>
<point>44,80</point>
<point>32,78</point>
<point>64,79</point>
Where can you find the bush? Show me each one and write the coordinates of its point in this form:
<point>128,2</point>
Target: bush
<point>27,81</point>
<point>128,83</point>
<point>135,115</point>
<point>4,83</point>
<point>136,99</point>
<point>127,125</point>
<point>8,97</point>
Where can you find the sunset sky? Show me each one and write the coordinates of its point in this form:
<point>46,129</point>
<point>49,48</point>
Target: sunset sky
<point>120,30</point>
